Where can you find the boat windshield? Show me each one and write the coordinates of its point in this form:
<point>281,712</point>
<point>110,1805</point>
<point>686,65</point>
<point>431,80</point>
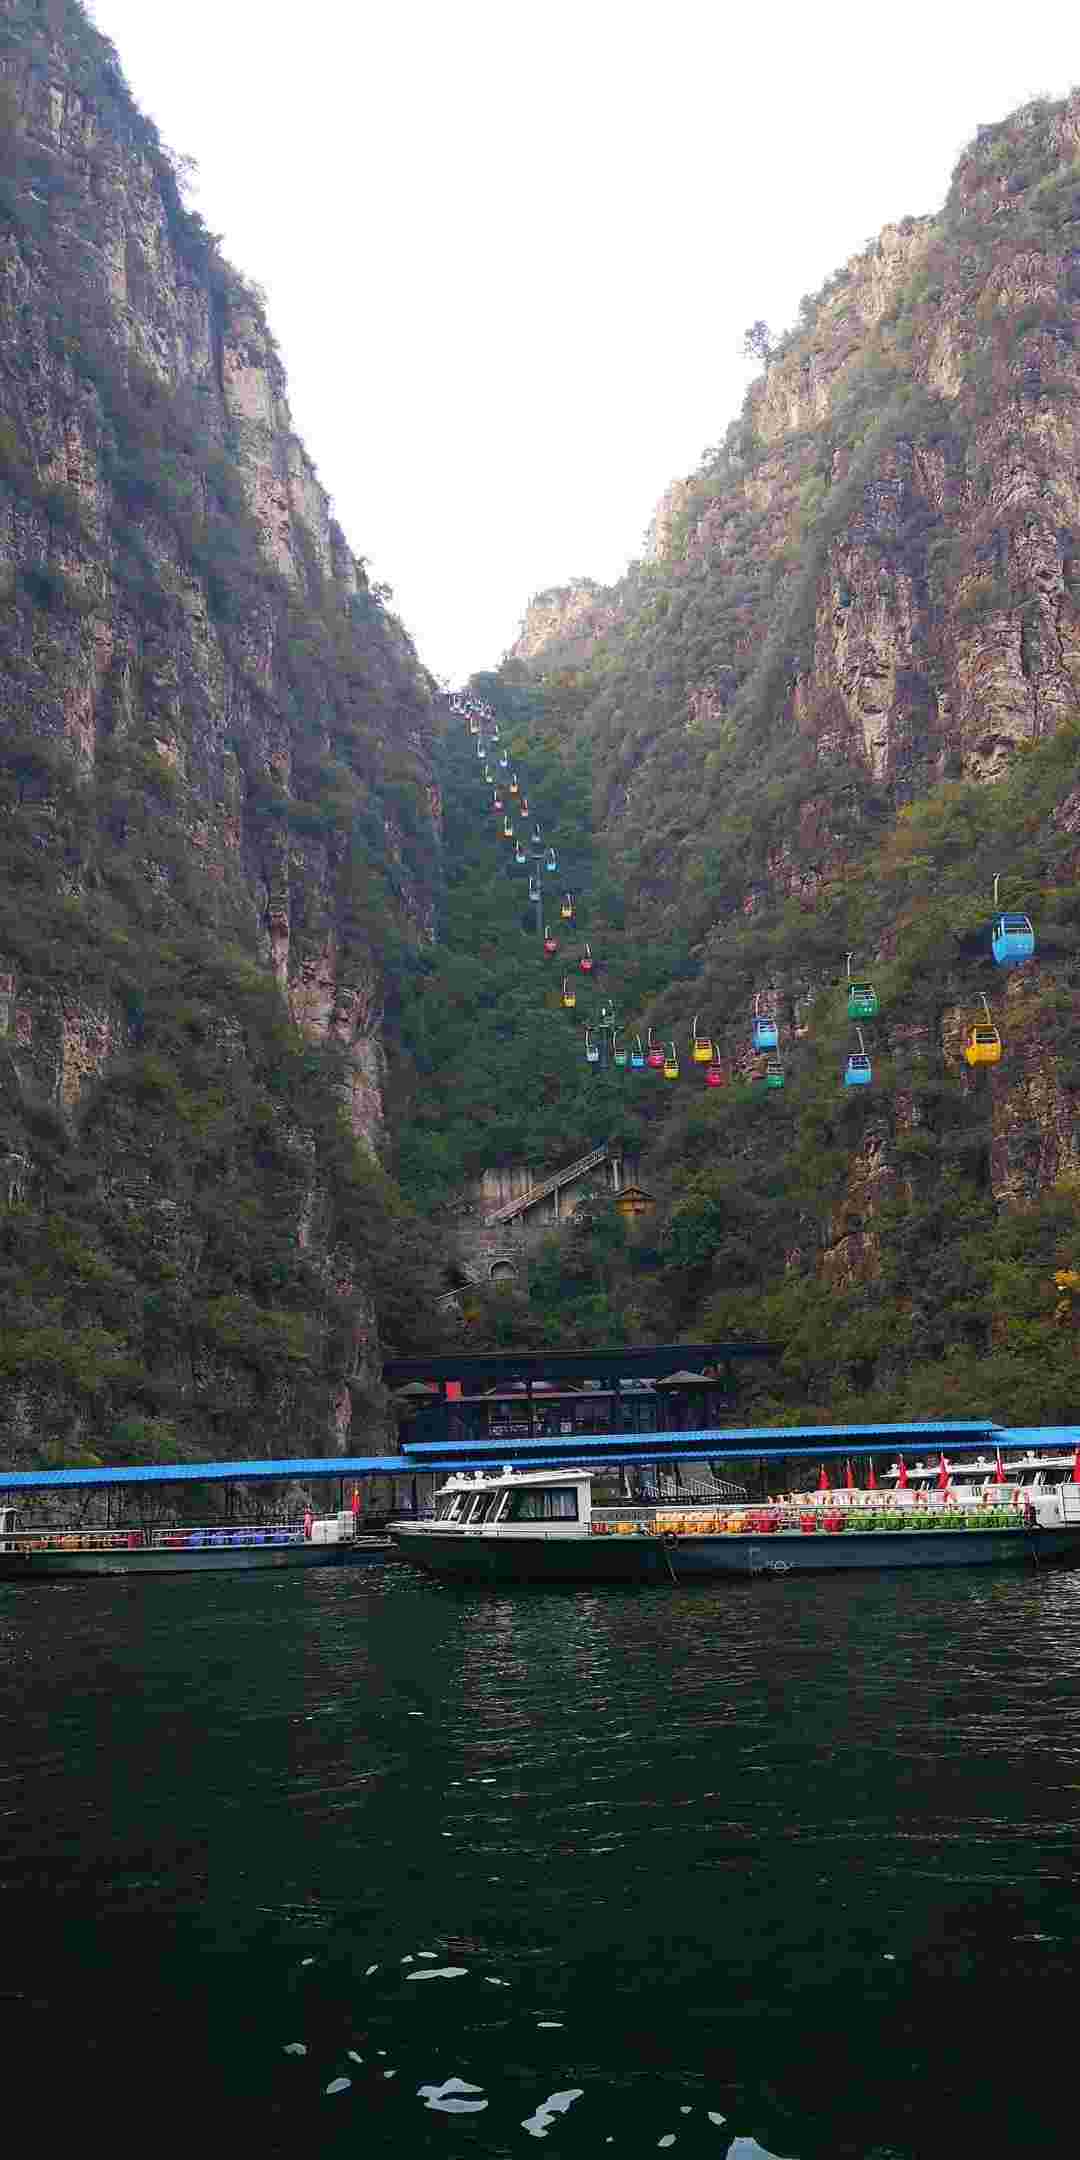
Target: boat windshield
<point>544,1503</point>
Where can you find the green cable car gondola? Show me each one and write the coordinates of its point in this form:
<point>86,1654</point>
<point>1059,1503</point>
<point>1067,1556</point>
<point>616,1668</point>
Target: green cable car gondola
<point>862,998</point>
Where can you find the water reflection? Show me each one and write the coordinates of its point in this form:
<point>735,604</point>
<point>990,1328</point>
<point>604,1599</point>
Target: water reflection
<point>760,1863</point>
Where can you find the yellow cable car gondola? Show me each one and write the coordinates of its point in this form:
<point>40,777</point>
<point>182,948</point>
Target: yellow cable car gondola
<point>671,1063</point>
<point>983,1046</point>
<point>700,1045</point>
<point>567,908</point>
<point>569,994</point>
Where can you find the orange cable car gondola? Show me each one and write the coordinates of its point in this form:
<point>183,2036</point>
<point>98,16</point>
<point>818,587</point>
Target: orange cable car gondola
<point>701,1048</point>
<point>983,1046</point>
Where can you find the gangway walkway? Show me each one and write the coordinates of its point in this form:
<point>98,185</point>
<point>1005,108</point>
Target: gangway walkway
<point>568,1175</point>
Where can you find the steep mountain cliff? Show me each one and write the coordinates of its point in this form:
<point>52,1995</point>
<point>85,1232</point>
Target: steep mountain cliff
<point>219,823</point>
<point>838,697</point>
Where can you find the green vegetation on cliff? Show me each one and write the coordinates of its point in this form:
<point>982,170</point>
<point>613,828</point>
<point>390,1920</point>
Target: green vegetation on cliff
<point>840,699</point>
<point>216,829</point>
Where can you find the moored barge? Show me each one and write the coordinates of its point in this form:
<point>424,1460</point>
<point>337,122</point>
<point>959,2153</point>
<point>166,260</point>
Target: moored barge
<point>329,1541</point>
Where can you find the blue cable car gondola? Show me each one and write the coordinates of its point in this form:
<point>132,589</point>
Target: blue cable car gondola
<point>551,860</point>
<point>504,760</point>
<point>766,1036</point>
<point>1012,939</point>
<point>858,1071</point>
<point>538,837</point>
<point>520,856</point>
<point>592,1050</point>
<point>637,1056</point>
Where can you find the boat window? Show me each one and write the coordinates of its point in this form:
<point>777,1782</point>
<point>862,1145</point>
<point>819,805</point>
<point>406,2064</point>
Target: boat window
<point>548,1503</point>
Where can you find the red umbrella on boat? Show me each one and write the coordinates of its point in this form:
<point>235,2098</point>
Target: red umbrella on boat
<point>943,1474</point>
<point>902,1479</point>
<point>871,1477</point>
<point>999,1468</point>
<point>849,1477</point>
<point>823,1478</point>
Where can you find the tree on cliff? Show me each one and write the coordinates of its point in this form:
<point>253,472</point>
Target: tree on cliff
<point>757,342</point>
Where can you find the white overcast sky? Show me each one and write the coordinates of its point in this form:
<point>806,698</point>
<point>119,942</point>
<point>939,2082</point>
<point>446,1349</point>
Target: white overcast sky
<point>510,250</point>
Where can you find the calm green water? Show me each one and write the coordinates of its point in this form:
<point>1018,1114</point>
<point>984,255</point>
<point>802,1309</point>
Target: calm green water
<point>804,1857</point>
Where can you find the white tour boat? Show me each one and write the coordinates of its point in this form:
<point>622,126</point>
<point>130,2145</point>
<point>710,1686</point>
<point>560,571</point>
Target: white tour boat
<point>552,1526</point>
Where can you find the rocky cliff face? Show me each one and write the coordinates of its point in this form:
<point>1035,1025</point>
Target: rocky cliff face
<point>842,693</point>
<point>214,746</point>
<point>561,626</point>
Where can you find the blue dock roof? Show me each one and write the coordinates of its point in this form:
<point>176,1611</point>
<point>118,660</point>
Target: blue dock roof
<point>707,1443</point>
<point>214,1473</point>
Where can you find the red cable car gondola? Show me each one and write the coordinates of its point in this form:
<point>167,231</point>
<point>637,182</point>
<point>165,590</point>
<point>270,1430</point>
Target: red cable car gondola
<point>586,961</point>
<point>551,945</point>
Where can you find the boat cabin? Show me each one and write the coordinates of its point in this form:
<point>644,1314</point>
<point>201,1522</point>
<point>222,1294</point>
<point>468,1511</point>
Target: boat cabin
<point>513,1504</point>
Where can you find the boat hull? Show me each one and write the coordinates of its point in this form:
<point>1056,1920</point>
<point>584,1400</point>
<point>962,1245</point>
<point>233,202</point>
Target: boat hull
<point>645,1558</point>
<point>189,1560</point>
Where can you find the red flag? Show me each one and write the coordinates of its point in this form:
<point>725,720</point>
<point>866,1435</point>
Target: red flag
<point>902,1479</point>
<point>356,1499</point>
<point>1076,1468</point>
<point>943,1474</point>
<point>849,1477</point>
<point>871,1476</point>
<point>999,1468</point>
<point>823,1479</point>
